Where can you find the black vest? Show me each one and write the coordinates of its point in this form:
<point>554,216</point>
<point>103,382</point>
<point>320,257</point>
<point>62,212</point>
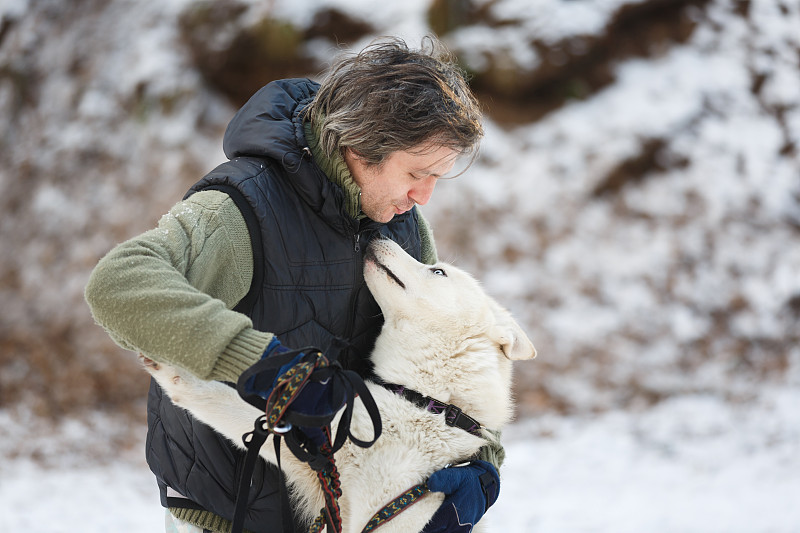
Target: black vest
<point>308,288</point>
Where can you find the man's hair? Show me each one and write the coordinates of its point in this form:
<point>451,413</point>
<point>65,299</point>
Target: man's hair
<point>389,98</point>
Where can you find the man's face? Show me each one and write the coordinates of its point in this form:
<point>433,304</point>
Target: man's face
<point>404,178</point>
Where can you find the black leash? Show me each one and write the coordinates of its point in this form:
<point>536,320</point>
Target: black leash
<point>280,421</point>
<point>253,442</point>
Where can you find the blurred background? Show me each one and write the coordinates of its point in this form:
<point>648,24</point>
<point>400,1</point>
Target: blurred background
<point>636,204</point>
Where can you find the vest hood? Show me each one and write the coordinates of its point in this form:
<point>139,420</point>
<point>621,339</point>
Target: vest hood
<point>269,126</point>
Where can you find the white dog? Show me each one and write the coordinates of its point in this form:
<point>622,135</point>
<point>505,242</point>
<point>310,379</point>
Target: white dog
<point>444,338</point>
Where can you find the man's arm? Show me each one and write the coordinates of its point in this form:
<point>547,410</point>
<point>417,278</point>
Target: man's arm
<point>427,244</point>
<point>168,293</point>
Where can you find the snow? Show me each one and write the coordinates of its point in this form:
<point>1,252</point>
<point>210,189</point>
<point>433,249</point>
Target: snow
<point>695,463</point>
<point>625,276</point>
<point>94,499</point>
<point>614,291</point>
<point>556,19</point>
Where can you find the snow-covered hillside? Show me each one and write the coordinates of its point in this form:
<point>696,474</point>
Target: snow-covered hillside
<point>636,204</point>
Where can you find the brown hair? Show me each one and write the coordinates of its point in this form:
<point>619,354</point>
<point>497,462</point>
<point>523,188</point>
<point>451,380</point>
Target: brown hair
<point>389,98</point>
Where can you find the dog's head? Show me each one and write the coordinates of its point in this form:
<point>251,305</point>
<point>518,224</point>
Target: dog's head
<point>441,318</point>
<point>440,296</point>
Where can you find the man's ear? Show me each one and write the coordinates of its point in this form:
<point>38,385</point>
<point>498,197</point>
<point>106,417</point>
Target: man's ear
<point>512,340</point>
<point>349,152</point>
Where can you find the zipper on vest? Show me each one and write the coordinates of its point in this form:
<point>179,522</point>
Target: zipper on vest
<point>358,280</point>
<point>351,307</point>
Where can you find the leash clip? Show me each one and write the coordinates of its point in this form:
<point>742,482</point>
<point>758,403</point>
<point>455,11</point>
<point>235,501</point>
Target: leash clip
<point>282,427</point>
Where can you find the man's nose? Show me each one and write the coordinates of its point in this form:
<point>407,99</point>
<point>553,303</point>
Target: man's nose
<point>422,191</point>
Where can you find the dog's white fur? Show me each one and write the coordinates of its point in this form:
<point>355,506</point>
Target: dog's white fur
<point>443,337</point>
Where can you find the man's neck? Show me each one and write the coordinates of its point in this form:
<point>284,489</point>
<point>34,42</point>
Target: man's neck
<point>336,169</point>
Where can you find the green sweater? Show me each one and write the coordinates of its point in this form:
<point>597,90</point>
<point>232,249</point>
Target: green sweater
<point>169,292</point>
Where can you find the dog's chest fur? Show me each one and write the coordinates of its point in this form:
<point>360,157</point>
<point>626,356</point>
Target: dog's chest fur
<point>414,444</point>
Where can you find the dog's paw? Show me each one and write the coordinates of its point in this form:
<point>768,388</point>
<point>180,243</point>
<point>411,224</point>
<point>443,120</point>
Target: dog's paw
<point>170,378</point>
<point>149,364</point>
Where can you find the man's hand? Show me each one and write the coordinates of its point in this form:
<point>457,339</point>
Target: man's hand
<point>470,490</point>
<point>314,399</point>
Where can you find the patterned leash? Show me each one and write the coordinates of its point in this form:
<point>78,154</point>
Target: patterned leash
<point>286,389</point>
<point>283,423</point>
<point>397,506</point>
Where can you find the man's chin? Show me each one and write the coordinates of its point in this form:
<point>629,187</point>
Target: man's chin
<point>386,215</point>
<point>383,217</point>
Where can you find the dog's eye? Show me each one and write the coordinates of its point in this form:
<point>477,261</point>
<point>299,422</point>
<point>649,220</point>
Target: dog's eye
<point>439,272</point>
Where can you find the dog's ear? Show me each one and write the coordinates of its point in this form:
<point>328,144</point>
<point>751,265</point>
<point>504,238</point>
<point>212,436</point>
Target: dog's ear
<point>512,340</point>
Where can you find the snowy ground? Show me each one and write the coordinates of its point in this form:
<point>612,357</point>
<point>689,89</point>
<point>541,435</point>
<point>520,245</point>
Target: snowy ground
<point>692,464</point>
<point>619,290</point>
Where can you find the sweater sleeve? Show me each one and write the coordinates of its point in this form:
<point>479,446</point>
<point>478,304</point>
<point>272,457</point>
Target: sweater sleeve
<point>493,452</point>
<point>428,246</point>
<point>169,292</point>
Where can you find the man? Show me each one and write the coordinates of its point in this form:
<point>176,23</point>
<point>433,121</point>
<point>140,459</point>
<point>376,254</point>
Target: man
<point>267,249</point>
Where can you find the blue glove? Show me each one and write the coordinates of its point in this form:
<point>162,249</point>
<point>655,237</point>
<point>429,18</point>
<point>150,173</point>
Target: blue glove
<point>470,490</point>
<point>263,383</point>
<point>315,398</point>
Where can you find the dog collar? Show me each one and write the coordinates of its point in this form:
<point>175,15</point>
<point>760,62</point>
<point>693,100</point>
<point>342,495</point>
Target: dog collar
<point>453,416</point>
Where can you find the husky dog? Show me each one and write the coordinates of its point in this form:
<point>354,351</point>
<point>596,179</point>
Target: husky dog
<point>443,337</point>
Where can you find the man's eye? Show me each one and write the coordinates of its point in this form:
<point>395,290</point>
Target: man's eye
<point>439,272</point>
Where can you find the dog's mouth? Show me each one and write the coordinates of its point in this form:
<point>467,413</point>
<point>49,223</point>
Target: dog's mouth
<point>370,256</point>
<point>391,274</point>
